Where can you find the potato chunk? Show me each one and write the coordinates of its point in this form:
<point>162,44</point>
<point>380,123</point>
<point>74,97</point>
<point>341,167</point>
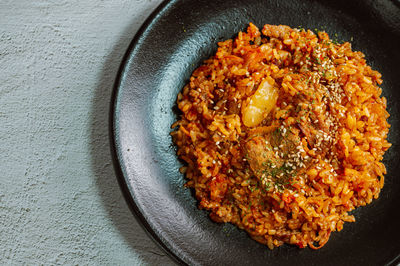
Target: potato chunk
<point>260,104</point>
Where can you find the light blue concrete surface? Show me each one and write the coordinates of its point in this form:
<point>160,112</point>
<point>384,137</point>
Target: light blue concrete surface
<point>59,199</point>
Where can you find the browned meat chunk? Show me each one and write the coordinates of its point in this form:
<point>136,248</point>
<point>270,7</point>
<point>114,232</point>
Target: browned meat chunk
<point>270,149</point>
<point>276,31</point>
<point>259,152</point>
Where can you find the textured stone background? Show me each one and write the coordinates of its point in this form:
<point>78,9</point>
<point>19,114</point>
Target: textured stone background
<point>59,199</point>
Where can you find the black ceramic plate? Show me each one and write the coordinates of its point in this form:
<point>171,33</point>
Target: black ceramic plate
<point>177,37</point>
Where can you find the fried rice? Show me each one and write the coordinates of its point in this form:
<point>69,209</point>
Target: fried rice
<point>282,133</point>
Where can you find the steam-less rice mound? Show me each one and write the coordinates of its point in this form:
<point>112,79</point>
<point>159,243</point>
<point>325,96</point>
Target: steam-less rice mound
<point>283,133</point>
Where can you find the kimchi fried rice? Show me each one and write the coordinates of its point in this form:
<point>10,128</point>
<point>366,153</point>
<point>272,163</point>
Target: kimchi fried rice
<point>283,133</point>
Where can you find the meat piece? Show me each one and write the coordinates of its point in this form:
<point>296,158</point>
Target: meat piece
<point>259,152</point>
<point>270,149</point>
<point>321,125</point>
<point>309,132</point>
<point>276,31</point>
<point>315,132</point>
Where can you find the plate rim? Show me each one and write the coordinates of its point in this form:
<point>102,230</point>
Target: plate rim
<point>114,146</point>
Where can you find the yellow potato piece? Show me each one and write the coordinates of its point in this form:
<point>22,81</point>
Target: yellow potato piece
<point>260,104</point>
